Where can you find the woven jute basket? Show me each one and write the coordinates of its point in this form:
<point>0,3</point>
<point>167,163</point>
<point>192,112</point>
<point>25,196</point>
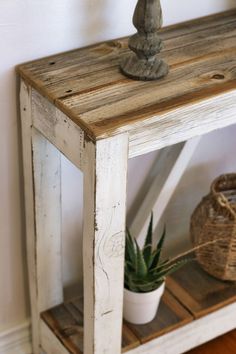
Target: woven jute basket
<point>214,220</point>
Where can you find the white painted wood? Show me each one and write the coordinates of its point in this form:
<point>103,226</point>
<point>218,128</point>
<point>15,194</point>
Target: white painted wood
<point>42,186</point>
<point>192,335</point>
<point>16,340</point>
<point>105,177</point>
<point>26,123</point>
<point>50,343</point>
<point>168,169</point>
<point>58,129</point>
<point>183,124</point>
<point>47,188</point>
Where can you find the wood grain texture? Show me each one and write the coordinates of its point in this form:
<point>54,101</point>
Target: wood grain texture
<point>174,330</point>
<point>50,344</point>
<point>66,327</point>
<point>66,322</point>
<point>87,86</point>
<point>47,251</point>
<point>191,335</point>
<point>42,178</point>
<point>58,129</point>
<point>199,292</point>
<point>26,129</point>
<point>105,178</point>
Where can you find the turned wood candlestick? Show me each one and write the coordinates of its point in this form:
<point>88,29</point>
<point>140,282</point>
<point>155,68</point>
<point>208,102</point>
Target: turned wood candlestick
<point>144,64</point>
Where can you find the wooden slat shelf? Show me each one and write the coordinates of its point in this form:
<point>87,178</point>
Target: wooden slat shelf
<point>199,292</point>
<point>87,86</point>
<point>190,294</point>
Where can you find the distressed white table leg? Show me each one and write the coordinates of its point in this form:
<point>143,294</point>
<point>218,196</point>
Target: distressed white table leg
<point>105,178</point>
<point>42,180</point>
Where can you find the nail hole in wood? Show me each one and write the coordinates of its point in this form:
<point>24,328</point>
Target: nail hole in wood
<point>218,77</point>
<point>52,63</point>
<point>68,91</point>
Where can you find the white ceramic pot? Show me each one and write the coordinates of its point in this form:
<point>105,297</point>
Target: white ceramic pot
<point>141,308</point>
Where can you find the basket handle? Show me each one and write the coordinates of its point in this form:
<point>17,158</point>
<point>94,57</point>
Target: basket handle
<point>224,182</point>
<point>224,203</point>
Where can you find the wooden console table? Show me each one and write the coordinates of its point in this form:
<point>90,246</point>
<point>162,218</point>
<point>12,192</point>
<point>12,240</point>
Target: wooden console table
<point>79,104</point>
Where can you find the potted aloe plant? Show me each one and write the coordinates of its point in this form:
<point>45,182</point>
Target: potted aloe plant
<point>145,274</point>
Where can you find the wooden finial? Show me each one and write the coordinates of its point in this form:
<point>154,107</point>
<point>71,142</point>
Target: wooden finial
<point>144,63</point>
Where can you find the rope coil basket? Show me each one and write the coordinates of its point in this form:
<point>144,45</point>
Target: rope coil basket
<point>215,219</point>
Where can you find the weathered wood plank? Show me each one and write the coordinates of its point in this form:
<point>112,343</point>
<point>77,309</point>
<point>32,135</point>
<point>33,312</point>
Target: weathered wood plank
<point>200,292</point>
<point>66,322</point>
<point>58,129</point>
<point>65,327</point>
<point>171,315</point>
<point>89,89</point>
<point>26,124</point>
<point>50,343</point>
<point>193,334</point>
<point>210,53</point>
<point>176,126</point>
<point>124,109</point>
<point>176,341</point>
<point>190,302</point>
<point>56,74</point>
<point>105,176</point>
<point>197,98</point>
<point>43,211</point>
<point>129,340</point>
<point>47,190</point>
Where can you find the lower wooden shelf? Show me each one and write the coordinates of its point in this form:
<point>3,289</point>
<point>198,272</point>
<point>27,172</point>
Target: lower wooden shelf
<point>191,298</point>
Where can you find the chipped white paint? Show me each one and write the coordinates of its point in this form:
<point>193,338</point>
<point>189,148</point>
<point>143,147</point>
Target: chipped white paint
<point>43,217</point>
<point>58,129</point>
<point>168,169</point>
<point>183,123</point>
<point>104,238</point>
<point>26,123</point>
<point>47,189</point>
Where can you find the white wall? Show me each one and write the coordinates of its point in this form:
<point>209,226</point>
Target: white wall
<point>34,28</point>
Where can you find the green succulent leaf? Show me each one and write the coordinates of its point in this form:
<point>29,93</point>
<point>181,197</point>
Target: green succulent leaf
<point>173,267</point>
<point>129,267</point>
<point>144,269</point>
<point>154,259</point>
<point>147,285</point>
<point>147,250</point>
<point>130,250</point>
<point>141,269</point>
<point>160,266</point>
<point>157,255</point>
